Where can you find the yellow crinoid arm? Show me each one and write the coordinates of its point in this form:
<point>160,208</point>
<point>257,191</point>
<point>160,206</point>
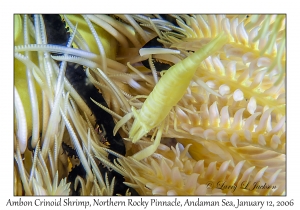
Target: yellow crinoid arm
<point>20,80</point>
<point>108,42</point>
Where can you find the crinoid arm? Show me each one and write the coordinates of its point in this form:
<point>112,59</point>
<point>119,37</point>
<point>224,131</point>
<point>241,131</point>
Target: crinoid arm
<point>151,149</point>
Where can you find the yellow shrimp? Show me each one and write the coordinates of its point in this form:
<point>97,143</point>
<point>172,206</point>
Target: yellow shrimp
<point>166,94</point>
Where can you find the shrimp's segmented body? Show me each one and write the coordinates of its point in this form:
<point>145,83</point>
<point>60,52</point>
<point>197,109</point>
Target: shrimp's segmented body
<point>166,94</point>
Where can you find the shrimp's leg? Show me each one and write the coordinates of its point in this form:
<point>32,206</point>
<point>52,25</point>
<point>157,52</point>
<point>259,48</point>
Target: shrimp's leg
<point>124,120</point>
<point>151,149</point>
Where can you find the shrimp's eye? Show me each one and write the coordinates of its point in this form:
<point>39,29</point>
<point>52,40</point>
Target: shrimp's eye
<point>159,64</point>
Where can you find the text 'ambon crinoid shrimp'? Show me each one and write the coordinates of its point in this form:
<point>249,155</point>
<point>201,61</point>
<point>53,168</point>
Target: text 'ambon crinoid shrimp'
<point>166,94</point>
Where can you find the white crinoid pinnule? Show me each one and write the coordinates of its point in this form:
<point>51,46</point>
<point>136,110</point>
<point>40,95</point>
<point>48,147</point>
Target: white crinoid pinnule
<point>40,189</point>
<point>175,173</point>
<point>41,181</point>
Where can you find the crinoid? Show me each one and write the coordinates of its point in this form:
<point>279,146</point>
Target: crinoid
<point>174,172</point>
<point>53,112</point>
<point>234,107</point>
<point>89,97</point>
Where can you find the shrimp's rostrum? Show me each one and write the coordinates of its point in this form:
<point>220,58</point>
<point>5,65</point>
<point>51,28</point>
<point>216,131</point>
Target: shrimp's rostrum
<point>168,91</point>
